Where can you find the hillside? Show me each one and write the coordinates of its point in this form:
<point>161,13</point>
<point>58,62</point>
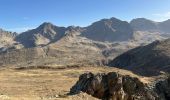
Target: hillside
<point>149,59</point>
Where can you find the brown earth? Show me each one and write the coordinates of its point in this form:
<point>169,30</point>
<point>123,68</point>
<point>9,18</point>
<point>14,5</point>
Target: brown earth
<point>49,83</point>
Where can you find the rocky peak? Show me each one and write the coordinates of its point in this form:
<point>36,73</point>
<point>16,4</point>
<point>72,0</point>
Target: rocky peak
<point>46,26</point>
<point>109,30</point>
<point>47,29</point>
<point>42,35</point>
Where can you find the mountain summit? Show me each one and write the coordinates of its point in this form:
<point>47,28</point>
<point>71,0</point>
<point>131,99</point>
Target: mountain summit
<point>42,35</point>
<point>109,30</point>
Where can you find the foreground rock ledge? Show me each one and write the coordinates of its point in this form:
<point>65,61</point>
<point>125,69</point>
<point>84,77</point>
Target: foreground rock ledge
<point>113,86</point>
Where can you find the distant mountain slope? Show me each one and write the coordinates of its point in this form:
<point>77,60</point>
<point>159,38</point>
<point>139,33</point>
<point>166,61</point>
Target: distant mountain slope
<point>109,30</point>
<point>142,24</point>
<point>149,59</point>
<point>70,49</point>
<point>165,26</point>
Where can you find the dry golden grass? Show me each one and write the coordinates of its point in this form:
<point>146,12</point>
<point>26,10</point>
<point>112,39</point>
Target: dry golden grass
<point>47,84</point>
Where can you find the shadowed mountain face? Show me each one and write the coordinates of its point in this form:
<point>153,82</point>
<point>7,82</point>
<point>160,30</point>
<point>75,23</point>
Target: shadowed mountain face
<point>148,60</point>
<point>109,30</point>
<point>42,35</point>
<point>142,24</point>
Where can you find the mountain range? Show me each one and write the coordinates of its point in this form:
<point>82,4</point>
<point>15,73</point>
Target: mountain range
<point>96,44</point>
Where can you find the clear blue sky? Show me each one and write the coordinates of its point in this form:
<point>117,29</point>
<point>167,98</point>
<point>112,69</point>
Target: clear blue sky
<point>20,15</point>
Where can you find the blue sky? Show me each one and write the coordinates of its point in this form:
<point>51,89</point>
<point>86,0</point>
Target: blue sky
<point>20,15</point>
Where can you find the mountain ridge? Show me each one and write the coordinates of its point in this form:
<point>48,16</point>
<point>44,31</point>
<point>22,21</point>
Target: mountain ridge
<point>101,41</point>
<point>143,24</point>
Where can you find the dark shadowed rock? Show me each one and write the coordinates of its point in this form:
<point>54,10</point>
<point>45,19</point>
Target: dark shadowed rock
<point>163,89</point>
<point>146,60</point>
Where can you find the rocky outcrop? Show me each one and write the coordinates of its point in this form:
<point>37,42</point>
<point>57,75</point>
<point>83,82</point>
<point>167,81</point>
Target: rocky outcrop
<point>162,89</point>
<point>113,86</point>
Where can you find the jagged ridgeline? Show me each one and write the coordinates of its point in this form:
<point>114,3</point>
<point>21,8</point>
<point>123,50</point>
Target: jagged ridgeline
<point>95,44</point>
